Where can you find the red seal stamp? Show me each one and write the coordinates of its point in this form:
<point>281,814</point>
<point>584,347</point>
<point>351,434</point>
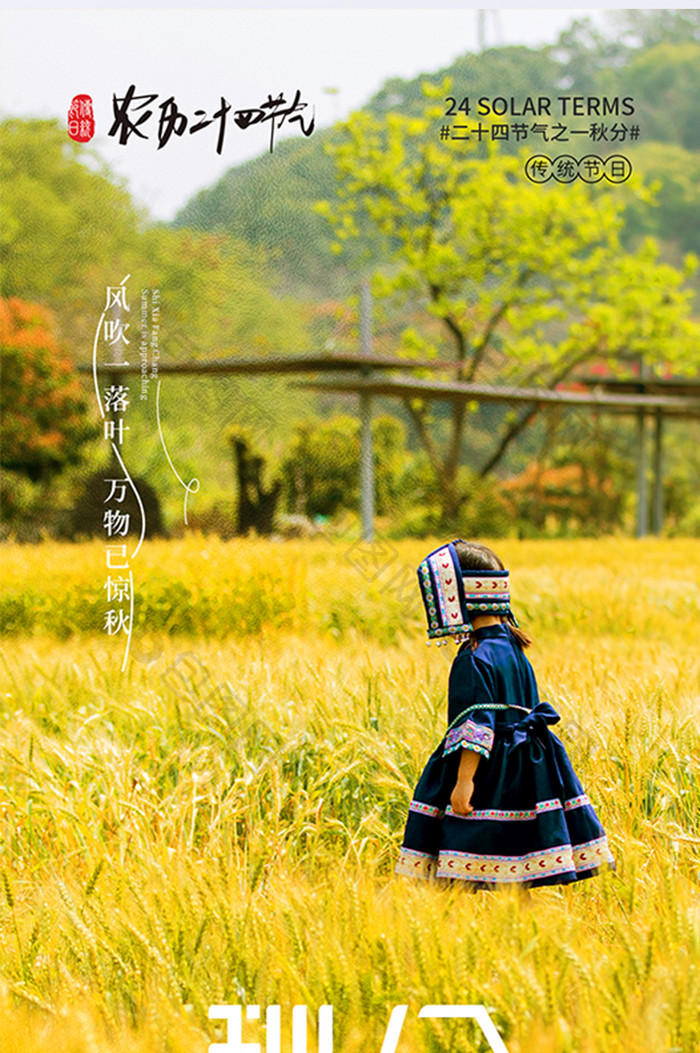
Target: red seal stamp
<point>81,119</point>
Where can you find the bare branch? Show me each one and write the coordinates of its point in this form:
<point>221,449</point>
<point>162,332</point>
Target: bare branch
<point>529,414</point>
<point>451,324</point>
<point>418,418</point>
<point>519,425</point>
<point>481,345</point>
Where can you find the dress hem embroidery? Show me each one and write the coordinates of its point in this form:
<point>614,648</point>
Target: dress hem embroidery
<point>561,860</point>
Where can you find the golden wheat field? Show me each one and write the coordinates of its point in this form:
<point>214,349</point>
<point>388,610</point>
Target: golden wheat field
<point>218,823</point>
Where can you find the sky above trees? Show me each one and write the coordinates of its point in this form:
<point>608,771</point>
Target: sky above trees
<point>337,58</point>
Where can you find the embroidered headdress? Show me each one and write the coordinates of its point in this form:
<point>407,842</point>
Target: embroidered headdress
<point>450,594</point>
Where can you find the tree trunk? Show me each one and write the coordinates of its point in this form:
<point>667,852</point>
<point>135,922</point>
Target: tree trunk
<point>256,505</point>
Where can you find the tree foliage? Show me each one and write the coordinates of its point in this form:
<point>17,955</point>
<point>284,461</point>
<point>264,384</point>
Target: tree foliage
<point>675,173</point>
<point>45,420</point>
<point>217,296</point>
<point>646,28</point>
<point>518,283</point>
<point>267,201</point>
<point>321,470</point>
<point>261,203</point>
<point>68,228</point>
<point>665,83</point>
<point>65,224</point>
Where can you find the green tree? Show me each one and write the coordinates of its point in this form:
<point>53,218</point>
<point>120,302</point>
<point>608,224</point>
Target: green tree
<point>518,283</point>
<point>665,83</point>
<point>320,471</point>
<point>322,468</point>
<point>673,218</point>
<point>217,296</point>
<point>66,226</point>
<point>68,229</point>
<point>657,26</point>
<point>262,202</point>
<point>524,71</point>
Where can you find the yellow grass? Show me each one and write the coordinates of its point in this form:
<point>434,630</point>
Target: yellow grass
<point>219,823</point>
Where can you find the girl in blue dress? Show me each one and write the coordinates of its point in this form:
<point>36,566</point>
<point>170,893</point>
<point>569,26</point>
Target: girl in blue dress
<point>498,801</point>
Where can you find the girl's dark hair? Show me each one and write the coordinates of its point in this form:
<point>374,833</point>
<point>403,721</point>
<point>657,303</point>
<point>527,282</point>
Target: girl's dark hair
<point>473,556</point>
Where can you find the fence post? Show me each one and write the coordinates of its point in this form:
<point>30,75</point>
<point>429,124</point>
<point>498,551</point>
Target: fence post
<point>366,450</point>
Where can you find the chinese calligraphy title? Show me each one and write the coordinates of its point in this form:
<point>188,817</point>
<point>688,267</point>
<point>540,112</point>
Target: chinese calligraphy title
<point>132,113</point>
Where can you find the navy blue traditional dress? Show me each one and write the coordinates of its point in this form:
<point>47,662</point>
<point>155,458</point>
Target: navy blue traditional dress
<point>531,822</point>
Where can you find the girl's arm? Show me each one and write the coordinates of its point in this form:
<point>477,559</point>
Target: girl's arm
<point>464,787</point>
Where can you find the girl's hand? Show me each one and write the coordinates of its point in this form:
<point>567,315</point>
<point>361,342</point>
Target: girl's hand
<point>461,797</point>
